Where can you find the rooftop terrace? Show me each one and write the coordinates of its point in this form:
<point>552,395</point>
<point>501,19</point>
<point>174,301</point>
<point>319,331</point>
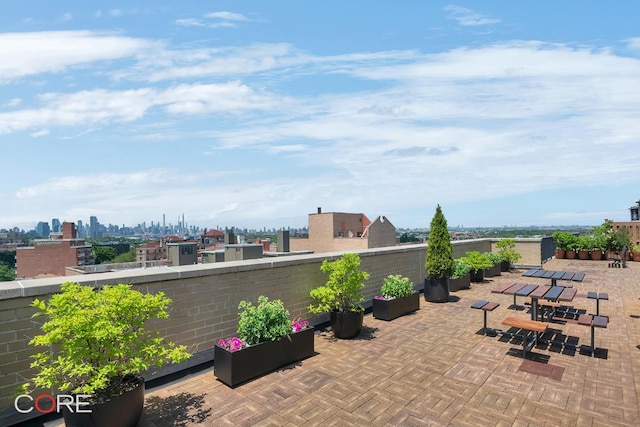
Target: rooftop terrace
<point>434,368</point>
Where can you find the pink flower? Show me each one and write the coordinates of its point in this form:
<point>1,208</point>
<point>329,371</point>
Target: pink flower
<point>380,297</point>
<point>298,325</point>
<point>232,344</point>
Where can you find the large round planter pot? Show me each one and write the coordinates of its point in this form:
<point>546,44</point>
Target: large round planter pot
<point>636,256</point>
<point>477,276</point>
<point>436,290</point>
<point>596,255</point>
<point>346,324</point>
<point>570,254</point>
<point>560,253</point>
<point>505,266</point>
<point>583,255</point>
<point>124,410</point>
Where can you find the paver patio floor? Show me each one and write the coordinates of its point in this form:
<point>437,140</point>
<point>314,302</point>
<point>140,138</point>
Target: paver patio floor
<point>434,368</point>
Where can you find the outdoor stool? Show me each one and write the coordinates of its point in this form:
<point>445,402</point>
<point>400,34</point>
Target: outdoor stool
<point>485,306</point>
<point>594,322</point>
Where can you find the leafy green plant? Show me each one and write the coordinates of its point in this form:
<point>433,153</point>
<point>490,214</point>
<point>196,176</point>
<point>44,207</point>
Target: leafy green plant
<point>268,321</point>
<point>461,269</point>
<point>562,239</point>
<point>96,338</point>
<point>477,261</point>
<point>342,291</point>
<point>396,286</point>
<point>439,259</point>
<point>507,251</point>
<point>584,243</point>
<point>494,257</point>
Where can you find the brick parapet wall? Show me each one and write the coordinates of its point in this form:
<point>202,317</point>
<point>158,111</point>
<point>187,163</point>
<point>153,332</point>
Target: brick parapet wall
<point>205,300</point>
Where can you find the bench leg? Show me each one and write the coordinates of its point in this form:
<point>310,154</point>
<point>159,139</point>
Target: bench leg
<point>593,340</point>
<point>484,328</point>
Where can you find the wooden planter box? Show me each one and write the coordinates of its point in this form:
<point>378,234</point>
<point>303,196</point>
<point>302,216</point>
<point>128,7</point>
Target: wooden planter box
<point>233,368</point>
<point>460,283</point>
<point>389,310</point>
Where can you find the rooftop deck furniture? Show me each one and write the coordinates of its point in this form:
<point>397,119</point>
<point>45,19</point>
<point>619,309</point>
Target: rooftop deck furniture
<point>485,306</point>
<point>598,296</point>
<point>536,292</point>
<point>526,325</point>
<point>619,260</point>
<point>593,322</point>
<point>555,275</point>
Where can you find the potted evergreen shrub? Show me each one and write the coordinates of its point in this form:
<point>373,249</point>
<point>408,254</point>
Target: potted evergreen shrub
<point>477,262</point>
<point>460,279</point>
<point>508,254</point>
<point>97,345</point>
<point>439,260</point>
<point>495,269</point>
<point>397,297</point>
<point>341,294</point>
<point>267,340</point>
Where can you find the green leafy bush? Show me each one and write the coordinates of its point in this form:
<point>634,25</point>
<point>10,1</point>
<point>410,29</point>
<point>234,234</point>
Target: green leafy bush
<point>563,240</point>
<point>95,338</point>
<point>495,258</point>
<point>461,269</point>
<point>342,290</point>
<point>396,286</point>
<point>477,261</point>
<point>507,251</point>
<point>439,259</point>
<point>268,321</point>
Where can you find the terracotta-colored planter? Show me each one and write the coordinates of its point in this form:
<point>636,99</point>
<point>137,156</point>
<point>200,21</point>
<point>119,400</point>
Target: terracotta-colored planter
<point>583,255</point>
<point>596,255</point>
<point>636,256</point>
<point>570,254</point>
<point>560,253</point>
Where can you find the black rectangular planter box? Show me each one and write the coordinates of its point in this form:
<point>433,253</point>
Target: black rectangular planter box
<point>459,283</point>
<point>492,271</point>
<point>233,368</point>
<point>389,310</point>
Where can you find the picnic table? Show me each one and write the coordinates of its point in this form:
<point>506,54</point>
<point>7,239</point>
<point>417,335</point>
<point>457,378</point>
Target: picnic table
<point>536,292</point>
<point>554,275</point>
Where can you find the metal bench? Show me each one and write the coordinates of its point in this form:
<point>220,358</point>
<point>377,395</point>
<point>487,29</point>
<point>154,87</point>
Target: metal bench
<point>619,260</point>
<point>525,325</point>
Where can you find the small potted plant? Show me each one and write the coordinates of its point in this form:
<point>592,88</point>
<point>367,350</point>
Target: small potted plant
<point>583,245</point>
<point>397,297</point>
<point>439,260</point>
<point>460,279</point>
<point>477,263</point>
<point>266,341</point>
<point>341,294</point>
<point>561,239</point>
<point>635,252</point>
<point>495,269</point>
<point>97,345</point>
<point>508,254</point>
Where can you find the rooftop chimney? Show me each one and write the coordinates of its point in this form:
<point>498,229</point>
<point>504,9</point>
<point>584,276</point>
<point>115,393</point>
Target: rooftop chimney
<point>319,209</point>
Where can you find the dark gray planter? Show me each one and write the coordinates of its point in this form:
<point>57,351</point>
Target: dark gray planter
<point>477,276</point>
<point>392,309</point>
<point>346,324</point>
<point>436,290</point>
<point>233,368</point>
<point>492,271</point>
<point>505,266</point>
<point>458,283</point>
<point>124,410</point>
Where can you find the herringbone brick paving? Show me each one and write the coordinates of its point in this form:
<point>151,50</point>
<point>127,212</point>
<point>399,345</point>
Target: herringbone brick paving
<point>434,368</point>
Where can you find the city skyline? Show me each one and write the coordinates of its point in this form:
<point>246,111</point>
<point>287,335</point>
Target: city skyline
<point>519,114</point>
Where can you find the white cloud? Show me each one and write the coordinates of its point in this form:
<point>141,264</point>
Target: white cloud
<point>40,133</point>
<point>227,16</point>
<point>467,17</point>
<point>65,17</point>
<point>13,102</point>
<point>33,53</point>
<point>116,12</point>
<point>633,43</point>
<point>190,22</point>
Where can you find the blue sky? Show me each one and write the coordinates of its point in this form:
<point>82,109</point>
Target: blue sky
<point>255,113</point>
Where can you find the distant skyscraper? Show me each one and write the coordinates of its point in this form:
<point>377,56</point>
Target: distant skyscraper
<point>55,225</point>
<point>42,229</point>
<point>93,226</point>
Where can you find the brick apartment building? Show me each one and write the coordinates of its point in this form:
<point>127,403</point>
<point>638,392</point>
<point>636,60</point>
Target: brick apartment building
<point>51,256</point>
<point>338,231</point>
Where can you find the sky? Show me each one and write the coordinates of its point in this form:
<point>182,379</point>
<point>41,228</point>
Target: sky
<point>252,114</point>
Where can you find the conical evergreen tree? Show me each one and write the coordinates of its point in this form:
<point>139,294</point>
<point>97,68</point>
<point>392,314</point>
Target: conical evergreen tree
<point>439,261</point>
